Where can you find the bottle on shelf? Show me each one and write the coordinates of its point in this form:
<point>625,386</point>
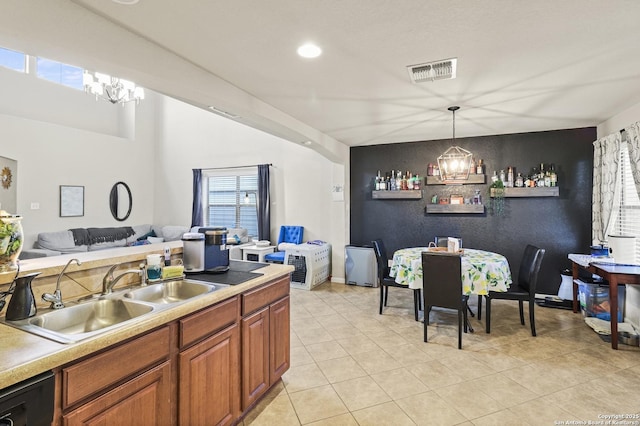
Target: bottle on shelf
<point>472,166</point>
<point>477,197</point>
<point>509,182</point>
<point>519,181</point>
<point>554,176</point>
<point>495,177</point>
<point>480,167</point>
<point>392,182</point>
<point>502,175</point>
<point>416,182</point>
<point>398,180</point>
<point>377,182</point>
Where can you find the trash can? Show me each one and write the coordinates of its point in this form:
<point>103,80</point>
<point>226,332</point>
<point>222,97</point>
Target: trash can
<point>361,266</point>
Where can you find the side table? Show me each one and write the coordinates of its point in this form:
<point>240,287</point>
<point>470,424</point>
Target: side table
<point>255,250</point>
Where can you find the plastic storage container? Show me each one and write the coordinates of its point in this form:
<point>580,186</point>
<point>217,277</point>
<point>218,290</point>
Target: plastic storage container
<point>594,301</point>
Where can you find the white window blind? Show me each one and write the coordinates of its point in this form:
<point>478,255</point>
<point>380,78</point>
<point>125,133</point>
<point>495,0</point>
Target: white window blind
<point>628,217</point>
<point>231,200</point>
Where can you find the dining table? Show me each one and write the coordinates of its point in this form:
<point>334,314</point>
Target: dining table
<point>482,271</point>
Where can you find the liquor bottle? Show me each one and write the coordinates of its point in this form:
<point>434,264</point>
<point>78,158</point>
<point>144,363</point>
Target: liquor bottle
<point>554,176</point>
<point>398,180</point>
<point>472,166</point>
<point>519,181</point>
<point>416,182</point>
<point>480,167</point>
<point>509,183</point>
<point>377,187</point>
<point>392,182</point>
<point>502,175</point>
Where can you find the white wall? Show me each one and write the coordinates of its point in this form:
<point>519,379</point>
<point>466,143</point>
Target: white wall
<point>63,137</point>
<point>60,136</point>
<point>614,124</point>
<point>301,179</point>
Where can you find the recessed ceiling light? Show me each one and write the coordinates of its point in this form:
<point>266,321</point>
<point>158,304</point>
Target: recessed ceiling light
<point>307,143</point>
<point>127,2</point>
<point>309,50</point>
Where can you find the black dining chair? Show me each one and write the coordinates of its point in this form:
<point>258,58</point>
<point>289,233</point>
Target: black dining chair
<point>442,287</point>
<point>386,281</point>
<point>522,291</point>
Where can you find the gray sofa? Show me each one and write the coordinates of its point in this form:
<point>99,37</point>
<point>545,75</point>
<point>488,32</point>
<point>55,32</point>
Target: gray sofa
<point>63,242</point>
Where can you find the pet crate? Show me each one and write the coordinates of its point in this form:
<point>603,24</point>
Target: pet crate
<point>312,263</point>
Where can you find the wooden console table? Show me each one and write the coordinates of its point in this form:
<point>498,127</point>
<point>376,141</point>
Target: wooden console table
<point>614,274</point>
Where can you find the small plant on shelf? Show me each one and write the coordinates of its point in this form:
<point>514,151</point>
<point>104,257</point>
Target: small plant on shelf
<point>496,198</point>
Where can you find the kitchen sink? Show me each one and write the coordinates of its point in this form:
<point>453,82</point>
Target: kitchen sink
<point>171,292</point>
<point>77,322</point>
<point>100,314</point>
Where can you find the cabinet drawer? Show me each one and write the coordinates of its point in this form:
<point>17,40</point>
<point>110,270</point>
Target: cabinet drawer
<point>208,321</point>
<point>263,296</point>
<point>101,371</point>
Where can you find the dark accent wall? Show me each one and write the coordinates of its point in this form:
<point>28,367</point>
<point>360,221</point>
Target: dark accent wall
<point>561,224</point>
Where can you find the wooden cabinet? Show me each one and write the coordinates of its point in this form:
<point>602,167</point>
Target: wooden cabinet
<point>209,370</point>
<point>129,381</point>
<point>206,368</point>
<point>265,339</point>
<point>144,400</point>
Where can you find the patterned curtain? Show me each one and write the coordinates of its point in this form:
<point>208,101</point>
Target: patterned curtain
<point>606,156</point>
<point>633,142</point>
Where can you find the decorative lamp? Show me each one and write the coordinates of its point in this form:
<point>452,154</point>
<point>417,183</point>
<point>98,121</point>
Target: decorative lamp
<point>455,162</point>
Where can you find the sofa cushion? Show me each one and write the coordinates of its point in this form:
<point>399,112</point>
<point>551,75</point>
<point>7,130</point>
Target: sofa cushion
<point>172,232</point>
<point>108,244</point>
<point>59,241</point>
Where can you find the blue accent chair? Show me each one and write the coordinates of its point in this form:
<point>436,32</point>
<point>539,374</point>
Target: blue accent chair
<point>288,234</point>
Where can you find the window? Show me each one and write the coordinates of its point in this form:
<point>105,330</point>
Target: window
<point>231,199</point>
<point>628,215</point>
<point>11,59</point>
<point>57,72</point>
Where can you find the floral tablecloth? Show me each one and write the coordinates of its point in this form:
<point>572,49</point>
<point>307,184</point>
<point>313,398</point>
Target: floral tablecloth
<point>481,270</point>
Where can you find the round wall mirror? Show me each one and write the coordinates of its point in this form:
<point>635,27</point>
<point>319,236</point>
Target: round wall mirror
<point>120,201</point>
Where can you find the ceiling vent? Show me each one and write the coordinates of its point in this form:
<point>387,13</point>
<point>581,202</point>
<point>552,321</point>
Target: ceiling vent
<point>438,70</point>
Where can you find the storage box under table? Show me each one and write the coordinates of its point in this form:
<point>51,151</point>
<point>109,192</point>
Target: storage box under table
<point>594,300</point>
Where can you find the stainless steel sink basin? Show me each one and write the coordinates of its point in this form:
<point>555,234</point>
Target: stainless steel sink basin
<point>170,292</point>
<point>87,319</point>
<point>77,322</point>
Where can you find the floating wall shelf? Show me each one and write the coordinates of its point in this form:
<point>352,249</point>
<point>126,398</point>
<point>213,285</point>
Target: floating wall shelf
<point>412,194</point>
<point>473,179</point>
<point>455,208</point>
<point>544,191</point>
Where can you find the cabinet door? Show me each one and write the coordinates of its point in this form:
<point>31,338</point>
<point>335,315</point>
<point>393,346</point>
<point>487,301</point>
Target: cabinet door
<point>144,400</point>
<point>209,387</point>
<point>255,356</point>
<point>279,339</point>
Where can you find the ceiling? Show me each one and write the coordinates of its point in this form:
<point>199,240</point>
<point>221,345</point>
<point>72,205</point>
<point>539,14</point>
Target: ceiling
<point>522,66</point>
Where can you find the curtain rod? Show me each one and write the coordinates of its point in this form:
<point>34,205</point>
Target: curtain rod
<point>235,167</point>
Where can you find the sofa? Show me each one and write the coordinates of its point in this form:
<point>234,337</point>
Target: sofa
<point>81,240</point>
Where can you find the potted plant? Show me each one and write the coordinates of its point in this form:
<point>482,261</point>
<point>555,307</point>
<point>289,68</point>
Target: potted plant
<point>496,198</point>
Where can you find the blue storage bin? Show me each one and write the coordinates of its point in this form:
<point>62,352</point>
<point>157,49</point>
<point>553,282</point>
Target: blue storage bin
<point>594,301</point>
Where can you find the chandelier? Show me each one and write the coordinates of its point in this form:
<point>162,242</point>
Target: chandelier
<point>454,163</point>
<point>112,89</point>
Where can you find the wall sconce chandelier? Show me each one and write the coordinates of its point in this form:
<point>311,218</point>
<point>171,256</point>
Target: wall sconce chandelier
<point>455,162</point>
<point>111,89</point>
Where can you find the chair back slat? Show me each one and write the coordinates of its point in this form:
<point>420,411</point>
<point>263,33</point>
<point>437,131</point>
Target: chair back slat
<point>529,268</point>
<point>381,257</point>
<point>442,280</point>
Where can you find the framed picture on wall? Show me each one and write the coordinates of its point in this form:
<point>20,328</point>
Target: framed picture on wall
<point>71,201</point>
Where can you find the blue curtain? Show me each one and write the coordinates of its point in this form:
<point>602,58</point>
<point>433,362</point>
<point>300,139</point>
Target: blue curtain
<point>264,212</point>
<point>196,209</point>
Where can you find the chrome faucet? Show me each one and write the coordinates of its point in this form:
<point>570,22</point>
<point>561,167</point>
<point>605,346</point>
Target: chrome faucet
<point>56,297</point>
<point>108,282</point>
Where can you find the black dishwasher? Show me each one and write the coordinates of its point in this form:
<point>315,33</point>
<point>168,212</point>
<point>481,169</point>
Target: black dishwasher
<point>29,402</point>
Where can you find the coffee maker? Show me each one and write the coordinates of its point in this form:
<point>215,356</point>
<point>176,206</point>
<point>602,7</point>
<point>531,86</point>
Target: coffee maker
<point>216,252</point>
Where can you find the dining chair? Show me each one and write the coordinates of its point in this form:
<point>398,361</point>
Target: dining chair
<point>442,287</point>
<point>523,291</point>
<point>387,281</point>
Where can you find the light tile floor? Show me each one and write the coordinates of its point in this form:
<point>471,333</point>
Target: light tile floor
<point>352,366</point>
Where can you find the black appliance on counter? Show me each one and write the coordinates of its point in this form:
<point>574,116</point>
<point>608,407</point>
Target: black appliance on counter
<point>29,402</point>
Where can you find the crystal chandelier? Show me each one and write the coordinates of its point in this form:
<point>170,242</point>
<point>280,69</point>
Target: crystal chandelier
<point>455,162</point>
<point>112,89</point>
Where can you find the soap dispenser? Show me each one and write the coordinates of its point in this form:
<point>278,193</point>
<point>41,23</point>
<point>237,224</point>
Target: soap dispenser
<point>22,304</point>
